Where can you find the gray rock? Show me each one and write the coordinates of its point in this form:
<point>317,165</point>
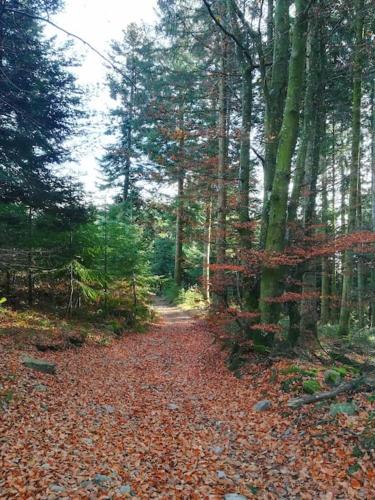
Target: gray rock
<point>56,488</point>
<point>343,408</point>
<point>262,405</point>
<point>108,409</point>
<point>234,496</point>
<point>217,449</point>
<point>221,474</point>
<point>124,490</point>
<point>86,484</point>
<point>101,479</point>
<point>39,365</point>
<point>88,441</point>
<point>173,406</point>
<point>40,388</point>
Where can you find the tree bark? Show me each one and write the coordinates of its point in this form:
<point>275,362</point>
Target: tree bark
<point>354,167</point>
<point>178,261</point>
<point>275,239</point>
<point>278,30</point>
<point>220,292</point>
<point>207,251</point>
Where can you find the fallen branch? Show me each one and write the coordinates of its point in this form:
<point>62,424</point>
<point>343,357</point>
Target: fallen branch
<point>353,385</point>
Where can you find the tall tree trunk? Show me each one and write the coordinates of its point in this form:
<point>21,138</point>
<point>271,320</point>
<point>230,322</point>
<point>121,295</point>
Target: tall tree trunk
<point>360,263</point>
<point>128,136</point>
<point>354,167</point>
<point>220,299</point>
<point>30,278</point>
<point>278,30</point>
<point>178,261</point>
<point>325,290</point>
<point>244,176</point>
<point>373,190</point>
<point>275,240</point>
<point>207,250</point>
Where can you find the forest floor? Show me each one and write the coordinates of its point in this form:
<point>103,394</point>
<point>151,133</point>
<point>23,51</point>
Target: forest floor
<point>158,415</point>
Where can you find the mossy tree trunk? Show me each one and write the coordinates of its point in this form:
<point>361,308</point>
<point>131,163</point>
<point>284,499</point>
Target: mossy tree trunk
<point>354,167</point>
<point>222,174</point>
<point>271,285</point>
<point>278,31</point>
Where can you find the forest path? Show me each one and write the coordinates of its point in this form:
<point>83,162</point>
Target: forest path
<point>159,414</point>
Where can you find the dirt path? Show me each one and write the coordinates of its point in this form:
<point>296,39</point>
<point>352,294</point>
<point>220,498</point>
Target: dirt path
<point>160,415</point>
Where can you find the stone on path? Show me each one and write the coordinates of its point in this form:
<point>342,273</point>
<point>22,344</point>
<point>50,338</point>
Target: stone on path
<point>56,488</point>
<point>173,406</point>
<point>39,365</point>
<point>124,490</point>
<point>262,405</point>
<point>40,388</point>
<point>102,479</point>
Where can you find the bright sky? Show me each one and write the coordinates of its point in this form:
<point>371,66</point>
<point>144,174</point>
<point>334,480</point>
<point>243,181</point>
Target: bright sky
<point>98,23</point>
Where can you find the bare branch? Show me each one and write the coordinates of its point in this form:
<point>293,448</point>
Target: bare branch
<point>84,42</point>
<point>229,34</point>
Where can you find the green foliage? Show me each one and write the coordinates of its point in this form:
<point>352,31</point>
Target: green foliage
<point>332,377</point>
<point>260,349</point>
<point>192,298</point>
<point>311,386</point>
<point>162,257</point>
<point>171,291</point>
<point>341,370</point>
<point>291,383</point>
<point>301,371</point>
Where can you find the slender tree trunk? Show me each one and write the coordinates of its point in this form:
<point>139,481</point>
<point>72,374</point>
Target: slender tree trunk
<point>30,279</point>
<point>373,189</point>
<point>354,167</point>
<point>221,175</point>
<point>275,240</point>
<point>309,306</point>
<point>244,183</point>
<point>325,302</point>
<point>360,263</point>
<point>207,251</point>
<point>129,138</point>
<point>332,262</point>
<point>178,263</point>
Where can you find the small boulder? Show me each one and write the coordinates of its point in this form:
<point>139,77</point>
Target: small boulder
<point>108,409</point>
<point>343,409</point>
<point>40,388</point>
<point>39,365</point>
<point>56,488</point>
<point>221,474</point>
<point>217,449</point>
<point>124,490</point>
<point>101,479</point>
<point>87,483</point>
<point>234,496</point>
<point>262,405</point>
<point>173,406</point>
